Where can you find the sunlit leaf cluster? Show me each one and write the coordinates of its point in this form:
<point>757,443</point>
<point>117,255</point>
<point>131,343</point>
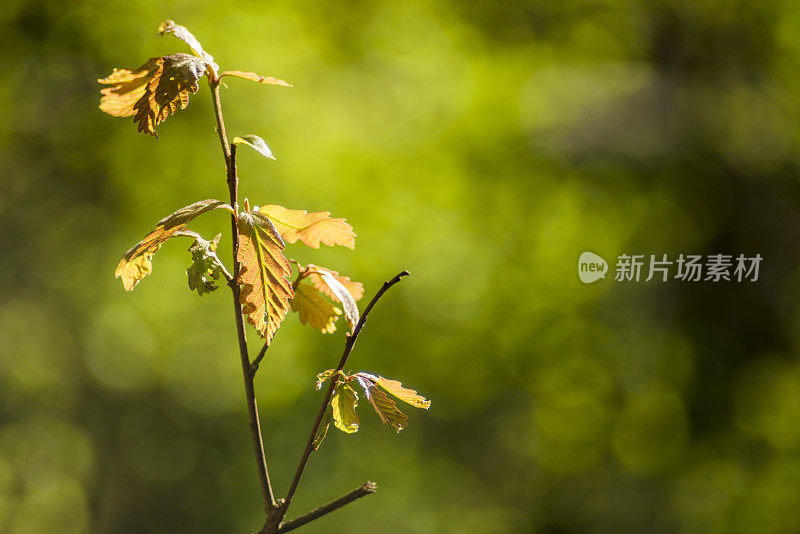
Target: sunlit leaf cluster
<point>376,391</point>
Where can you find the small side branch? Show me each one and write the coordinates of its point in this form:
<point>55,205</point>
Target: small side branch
<point>257,361</point>
<point>348,348</point>
<point>361,491</point>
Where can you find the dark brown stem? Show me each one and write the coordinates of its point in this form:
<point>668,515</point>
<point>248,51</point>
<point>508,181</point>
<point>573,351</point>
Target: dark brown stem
<point>361,491</point>
<point>229,151</point>
<point>257,361</point>
<point>348,348</point>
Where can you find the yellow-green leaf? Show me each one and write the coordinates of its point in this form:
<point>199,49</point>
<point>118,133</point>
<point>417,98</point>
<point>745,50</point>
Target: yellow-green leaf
<point>310,228</point>
<point>396,388</point>
<point>264,270</point>
<point>323,376</point>
<point>253,77</point>
<point>374,390</point>
<point>256,143</point>
<point>387,410</point>
<point>409,396</point>
<point>343,408</point>
<point>136,263</point>
<point>314,309</point>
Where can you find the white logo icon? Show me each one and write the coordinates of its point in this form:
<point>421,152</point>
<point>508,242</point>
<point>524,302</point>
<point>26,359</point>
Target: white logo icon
<point>591,267</point>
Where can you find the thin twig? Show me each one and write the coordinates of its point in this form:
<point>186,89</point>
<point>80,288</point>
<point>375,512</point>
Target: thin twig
<point>348,348</point>
<point>229,151</point>
<point>257,361</point>
<point>228,276</point>
<point>361,491</point>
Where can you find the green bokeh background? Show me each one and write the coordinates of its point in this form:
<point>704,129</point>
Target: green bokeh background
<point>482,146</point>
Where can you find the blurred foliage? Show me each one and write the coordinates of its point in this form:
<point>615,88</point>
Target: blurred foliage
<point>482,146</point>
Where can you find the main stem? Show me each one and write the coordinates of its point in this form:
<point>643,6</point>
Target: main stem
<point>229,151</point>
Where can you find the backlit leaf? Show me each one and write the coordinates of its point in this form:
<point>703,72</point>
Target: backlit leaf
<point>153,91</point>
<point>256,143</point>
<point>168,90</point>
<point>136,263</point>
<point>310,228</point>
<point>384,406</point>
<point>342,295</point>
<point>374,390</point>
<point>396,388</point>
<point>128,87</point>
<point>322,431</point>
<point>314,309</point>
<point>264,270</point>
<point>343,408</point>
<point>356,289</point>
<point>253,77</point>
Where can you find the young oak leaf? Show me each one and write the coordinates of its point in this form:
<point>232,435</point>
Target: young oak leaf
<point>206,268</point>
<point>310,228</point>
<point>375,390</point>
<point>136,263</point>
<point>311,299</point>
<point>263,276</point>
<point>385,407</point>
<point>128,87</point>
<point>396,388</point>
<point>314,309</point>
<point>356,289</point>
<point>153,91</point>
<point>343,408</point>
<point>342,295</point>
<point>253,77</point>
<point>322,377</point>
<point>256,143</point>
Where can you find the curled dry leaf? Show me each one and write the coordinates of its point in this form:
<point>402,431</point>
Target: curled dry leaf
<point>264,270</point>
<point>153,91</point>
<point>186,36</point>
<point>343,296</point>
<point>310,228</point>
<point>253,77</point>
<point>136,263</point>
